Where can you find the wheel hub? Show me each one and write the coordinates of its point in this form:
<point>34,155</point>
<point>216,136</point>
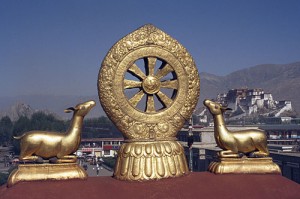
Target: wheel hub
<point>151,85</point>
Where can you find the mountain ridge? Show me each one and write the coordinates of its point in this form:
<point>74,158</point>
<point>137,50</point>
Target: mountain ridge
<point>48,104</point>
<point>282,80</point>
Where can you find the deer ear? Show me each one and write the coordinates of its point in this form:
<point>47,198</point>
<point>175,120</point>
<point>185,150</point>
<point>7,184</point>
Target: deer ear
<point>68,110</point>
<point>228,109</point>
<point>225,109</point>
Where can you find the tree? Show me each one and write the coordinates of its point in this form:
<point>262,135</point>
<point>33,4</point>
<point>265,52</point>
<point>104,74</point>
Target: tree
<point>99,127</point>
<point>6,128</point>
<point>47,122</point>
<point>20,126</point>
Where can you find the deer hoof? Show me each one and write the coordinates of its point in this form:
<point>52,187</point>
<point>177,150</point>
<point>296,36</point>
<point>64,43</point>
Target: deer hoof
<point>39,160</point>
<point>240,155</point>
<point>53,160</point>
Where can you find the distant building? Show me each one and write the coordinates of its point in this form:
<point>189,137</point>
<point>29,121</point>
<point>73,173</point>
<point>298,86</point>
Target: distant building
<point>202,115</point>
<point>288,134</point>
<point>100,147</point>
<point>245,102</point>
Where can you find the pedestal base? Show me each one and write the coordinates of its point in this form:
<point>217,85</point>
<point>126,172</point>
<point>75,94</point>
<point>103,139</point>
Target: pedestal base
<point>32,172</point>
<point>244,166</point>
<point>139,161</point>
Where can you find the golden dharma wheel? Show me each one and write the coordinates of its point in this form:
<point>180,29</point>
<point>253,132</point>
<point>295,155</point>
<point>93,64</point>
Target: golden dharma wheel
<point>148,86</point>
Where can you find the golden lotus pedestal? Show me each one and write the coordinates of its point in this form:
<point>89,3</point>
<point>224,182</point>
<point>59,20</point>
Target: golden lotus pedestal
<point>33,172</point>
<point>150,160</point>
<point>244,166</point>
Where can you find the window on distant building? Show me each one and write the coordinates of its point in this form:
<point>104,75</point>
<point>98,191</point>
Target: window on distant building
<point>106,152</point>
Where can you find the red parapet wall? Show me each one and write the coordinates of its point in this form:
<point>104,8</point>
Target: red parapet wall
<point>196,185</point>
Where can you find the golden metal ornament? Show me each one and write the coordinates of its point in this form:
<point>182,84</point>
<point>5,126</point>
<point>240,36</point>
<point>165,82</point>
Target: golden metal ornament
<point>243,151</point>
<point>244,166</point>
<point>148,86</point>
<point>47,145</point>
<point>33,172</point>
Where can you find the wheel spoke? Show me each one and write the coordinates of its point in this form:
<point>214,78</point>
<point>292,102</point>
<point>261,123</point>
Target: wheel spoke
<point>164,99</point>
<point>151,61</point>
<point>135,70</point>
<point>150,104</point>
<point>164,71</point>
<point>131,84</point>
<point>136,98</point>
<point>170,84</point>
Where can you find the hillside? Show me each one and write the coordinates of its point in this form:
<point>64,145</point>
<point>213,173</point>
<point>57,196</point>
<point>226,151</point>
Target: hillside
<point>283,81</point>
<point>47,104</point>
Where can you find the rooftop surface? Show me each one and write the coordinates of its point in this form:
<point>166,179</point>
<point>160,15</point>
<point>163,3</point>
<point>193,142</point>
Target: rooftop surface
<point>195,185</point>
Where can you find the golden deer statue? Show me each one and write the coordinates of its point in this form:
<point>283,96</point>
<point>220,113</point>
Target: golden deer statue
<point>251,142</point>
<point>44,144</point>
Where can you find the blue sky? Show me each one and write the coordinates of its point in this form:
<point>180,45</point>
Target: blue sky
<point>56,46</point>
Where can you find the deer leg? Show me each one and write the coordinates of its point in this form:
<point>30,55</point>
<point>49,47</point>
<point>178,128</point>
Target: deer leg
<point>258,154</point>
<point>67,159</point>
<point>228,154</point>
<point>262,151</point>
<point>26,154</point>
<point>29,158</point>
